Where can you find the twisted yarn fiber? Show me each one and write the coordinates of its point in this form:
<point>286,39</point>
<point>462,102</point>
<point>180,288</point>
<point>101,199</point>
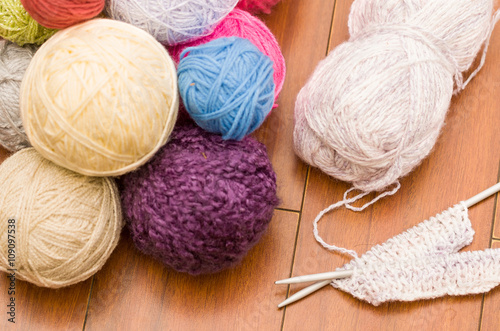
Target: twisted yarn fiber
<point>227,86</point>
<point>202,202</point>
<point>14,61</point>
<point>67,225</point>
<point>241,24</point>
<point>171,21</point>
<point>100,98</point>
<point>257,6</point>
<point>424,263</point>
<point>59,14</point>
<point>18,26</point>
<point>374,107</point>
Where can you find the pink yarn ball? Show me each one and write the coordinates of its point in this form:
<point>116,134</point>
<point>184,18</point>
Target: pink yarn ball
<point>241,24</point>
<point>257,6</point>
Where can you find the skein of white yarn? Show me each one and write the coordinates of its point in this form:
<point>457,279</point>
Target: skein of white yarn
<point>373,109</point>
<point>14,61</point>
<point>171,21</point>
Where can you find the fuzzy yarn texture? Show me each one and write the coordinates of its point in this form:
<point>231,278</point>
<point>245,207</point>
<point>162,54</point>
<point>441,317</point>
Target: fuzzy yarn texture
<point>171,21</point>
<point>66,225</point>
<point>202,202</point>
<point>18,26</point>
<point>100,98</point>
<point>257,6</point>
<point>227,86</point>
<point>373,109</point>
<point>241,24</point>
<point>59,14</point>
<point>14,61</point>
<point>424,263</point>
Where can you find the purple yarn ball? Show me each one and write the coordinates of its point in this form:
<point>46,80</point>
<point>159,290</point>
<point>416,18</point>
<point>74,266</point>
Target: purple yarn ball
<point>201,203</point>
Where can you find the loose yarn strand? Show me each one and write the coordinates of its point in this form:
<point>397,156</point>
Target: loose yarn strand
<point>347,203</point>
<point>494,21</point>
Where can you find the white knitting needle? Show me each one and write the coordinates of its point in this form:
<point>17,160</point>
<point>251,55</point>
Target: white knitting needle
<point>316,277</point>
<point>326,277</point>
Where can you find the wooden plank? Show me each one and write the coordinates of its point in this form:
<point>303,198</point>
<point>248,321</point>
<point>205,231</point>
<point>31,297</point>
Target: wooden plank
<point>463,163</point>
<point>491,318</point>
<point>134,292</point>
<point>45,309</point>
<point>302,29</point>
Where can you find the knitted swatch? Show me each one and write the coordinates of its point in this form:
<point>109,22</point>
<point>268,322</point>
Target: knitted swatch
<point>201,203</point>
<point>424,263</point>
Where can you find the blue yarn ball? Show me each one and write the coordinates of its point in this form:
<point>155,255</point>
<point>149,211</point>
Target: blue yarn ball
<point>227,86</point>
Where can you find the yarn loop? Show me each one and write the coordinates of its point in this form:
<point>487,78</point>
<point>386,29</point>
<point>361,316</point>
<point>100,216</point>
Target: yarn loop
<point>14,61</point>
<point>227,86</point>
<point>100,98</point>
<point>18,26</point>
<point>171,21</point>
<point>374,108</point>
<point>202,202</point>
<point>59,14</point>
<point>67,225</point>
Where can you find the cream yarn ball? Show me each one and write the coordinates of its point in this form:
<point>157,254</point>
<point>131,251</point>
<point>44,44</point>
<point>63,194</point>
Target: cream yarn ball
<point>373,109</point>
<point>171,22</point>
<point>100,98</point>
<point>14,61</point>
<point>66,224</point>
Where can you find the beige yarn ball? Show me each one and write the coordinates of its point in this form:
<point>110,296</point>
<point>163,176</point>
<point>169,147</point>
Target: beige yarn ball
<point>100,98</point>
<point>373,109</point>
<point>66,224</point>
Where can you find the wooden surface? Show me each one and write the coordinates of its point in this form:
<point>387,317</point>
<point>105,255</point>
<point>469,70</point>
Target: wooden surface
<point>134,292</point>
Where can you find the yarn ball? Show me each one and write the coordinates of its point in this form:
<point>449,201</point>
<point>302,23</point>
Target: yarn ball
<point>14,61</point>
<point>202,202</point>
<point>373,109</point>
<point>100,98</point>
<point>65,225</point>
<point>241,24</point>
<point>59,14</point>
<point>171,21</point>
<point>227,86</point>
<point>18,26</point>
<point>257,6</point>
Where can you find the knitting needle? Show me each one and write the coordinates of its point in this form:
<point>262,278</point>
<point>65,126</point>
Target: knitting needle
<point>316,277</point>
<point>344,274</point>
<point>304,292</point>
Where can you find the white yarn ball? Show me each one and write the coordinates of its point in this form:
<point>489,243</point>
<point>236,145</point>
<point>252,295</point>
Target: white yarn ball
<point>374,107</point>
<point>171,21</point>
<point>14,61</point>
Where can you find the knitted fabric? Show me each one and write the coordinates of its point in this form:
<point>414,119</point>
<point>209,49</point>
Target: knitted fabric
<point>424,263</point>
<point>202,202</point>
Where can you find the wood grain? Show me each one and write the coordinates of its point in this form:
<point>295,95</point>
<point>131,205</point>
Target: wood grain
<point>44,309</point>
<point>491,318</point>
<point>464,162</point>
<point>133,292</point>
<point>302,29</point>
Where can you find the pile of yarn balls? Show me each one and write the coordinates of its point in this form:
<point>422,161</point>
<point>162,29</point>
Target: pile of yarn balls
<point>94,89</point>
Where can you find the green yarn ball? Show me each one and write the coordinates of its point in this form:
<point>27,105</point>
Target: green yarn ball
<point>18,26</point>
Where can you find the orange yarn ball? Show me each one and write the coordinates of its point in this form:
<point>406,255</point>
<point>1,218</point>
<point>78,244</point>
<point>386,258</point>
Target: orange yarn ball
<point>59,14</point>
